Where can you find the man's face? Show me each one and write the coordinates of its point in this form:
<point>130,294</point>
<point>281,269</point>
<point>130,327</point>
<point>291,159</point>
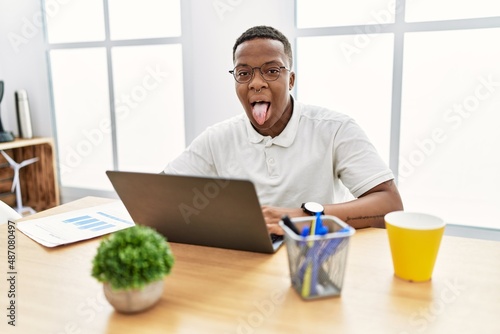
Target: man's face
<point>266,103</point>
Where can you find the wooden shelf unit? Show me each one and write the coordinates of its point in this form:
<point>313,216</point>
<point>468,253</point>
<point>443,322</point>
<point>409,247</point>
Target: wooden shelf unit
<point>39,186</point>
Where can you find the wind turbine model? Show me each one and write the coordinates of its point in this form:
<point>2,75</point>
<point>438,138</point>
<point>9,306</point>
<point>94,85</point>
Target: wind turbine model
<point>15,183</point>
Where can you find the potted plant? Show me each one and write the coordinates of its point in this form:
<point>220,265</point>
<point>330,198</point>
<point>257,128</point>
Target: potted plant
<point>132,264</point>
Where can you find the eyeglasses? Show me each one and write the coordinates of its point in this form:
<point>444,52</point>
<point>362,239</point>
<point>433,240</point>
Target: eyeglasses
<point>269,72</point>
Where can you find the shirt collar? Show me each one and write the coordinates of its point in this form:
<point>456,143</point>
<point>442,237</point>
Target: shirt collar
<point>286,137</point>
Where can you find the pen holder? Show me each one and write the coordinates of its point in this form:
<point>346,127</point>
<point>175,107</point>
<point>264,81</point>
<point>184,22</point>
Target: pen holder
<point>317,262</point>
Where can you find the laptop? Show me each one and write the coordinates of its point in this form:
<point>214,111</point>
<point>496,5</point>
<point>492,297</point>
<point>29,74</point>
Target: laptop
<point>214,212</point>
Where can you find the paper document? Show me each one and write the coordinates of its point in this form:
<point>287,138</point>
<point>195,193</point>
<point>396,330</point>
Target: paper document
<point>77,225</point>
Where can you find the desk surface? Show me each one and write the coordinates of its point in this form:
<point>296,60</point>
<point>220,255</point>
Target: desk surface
<point>214,290</point>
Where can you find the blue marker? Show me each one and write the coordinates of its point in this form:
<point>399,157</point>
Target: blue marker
<point>320,229</point>
<point>317,226</point>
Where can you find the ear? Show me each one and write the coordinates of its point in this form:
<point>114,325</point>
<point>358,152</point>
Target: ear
<point>291,81</point>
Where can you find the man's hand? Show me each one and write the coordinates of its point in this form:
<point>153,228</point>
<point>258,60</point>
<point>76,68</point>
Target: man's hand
<point>272,215</point>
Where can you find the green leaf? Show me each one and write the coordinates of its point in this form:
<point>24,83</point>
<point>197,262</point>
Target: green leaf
<point>132,258</point>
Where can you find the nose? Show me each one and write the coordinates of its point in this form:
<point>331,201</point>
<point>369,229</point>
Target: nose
<point>257,82</point>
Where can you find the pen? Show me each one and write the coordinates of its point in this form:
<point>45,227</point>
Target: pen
<point>286,220</point>
<point>306,284</point>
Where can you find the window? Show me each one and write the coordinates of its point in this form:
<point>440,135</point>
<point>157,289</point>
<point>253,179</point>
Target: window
<point>432,10</point>
<point>132,19</point>
<point>360,88</point>
<point>82,115</point>
<point>449,136</point>
<point>336,13</point>
<point>422,78</point>
<point>117,87</point>
<point>69,22</point>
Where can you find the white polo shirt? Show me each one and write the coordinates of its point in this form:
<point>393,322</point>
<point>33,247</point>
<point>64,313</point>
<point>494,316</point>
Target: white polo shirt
<point>318,155</point>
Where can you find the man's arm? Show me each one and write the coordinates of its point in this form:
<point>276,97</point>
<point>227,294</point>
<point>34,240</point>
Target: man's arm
<point>366,211</point>
<point>370,208</point>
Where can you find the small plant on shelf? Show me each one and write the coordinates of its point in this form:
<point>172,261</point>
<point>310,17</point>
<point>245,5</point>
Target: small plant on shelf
<point>131,263</point>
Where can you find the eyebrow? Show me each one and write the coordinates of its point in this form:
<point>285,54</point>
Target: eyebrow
<point>266,63</point>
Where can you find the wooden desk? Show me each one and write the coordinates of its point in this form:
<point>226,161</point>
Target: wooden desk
<point>213,290</point>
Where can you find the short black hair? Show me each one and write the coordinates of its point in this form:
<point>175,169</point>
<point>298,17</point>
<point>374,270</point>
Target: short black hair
<point>265,32</point>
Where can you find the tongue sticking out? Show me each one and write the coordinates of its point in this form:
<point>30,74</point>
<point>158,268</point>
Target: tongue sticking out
<point>260,112</point>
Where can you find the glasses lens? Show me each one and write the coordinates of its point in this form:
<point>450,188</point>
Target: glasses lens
<point>270,72</point>
<point>243,73</point>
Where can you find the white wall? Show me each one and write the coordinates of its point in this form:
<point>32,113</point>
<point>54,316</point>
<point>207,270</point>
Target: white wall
<point>23,64</point>
<point>214,26</point>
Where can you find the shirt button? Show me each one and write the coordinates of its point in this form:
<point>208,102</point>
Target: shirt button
<point>271,161</point>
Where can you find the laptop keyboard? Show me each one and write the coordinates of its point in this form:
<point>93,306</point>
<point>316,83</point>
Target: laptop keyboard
<point>275,237</point>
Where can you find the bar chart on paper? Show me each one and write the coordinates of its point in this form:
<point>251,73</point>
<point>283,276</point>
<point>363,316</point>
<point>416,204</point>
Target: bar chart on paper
<point>94,224</point>
<point>77,225</point>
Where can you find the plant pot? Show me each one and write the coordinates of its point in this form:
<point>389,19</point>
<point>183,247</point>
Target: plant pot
<point>132,301</point>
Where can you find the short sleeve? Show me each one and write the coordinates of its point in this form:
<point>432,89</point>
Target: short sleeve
<point>356,161</point>
<point>196,159</point>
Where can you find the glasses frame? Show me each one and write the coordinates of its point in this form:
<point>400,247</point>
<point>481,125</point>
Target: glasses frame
<point>261,73</point>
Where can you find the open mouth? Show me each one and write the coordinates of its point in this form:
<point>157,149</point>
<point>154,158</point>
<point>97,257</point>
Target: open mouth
<point>259,111</point>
